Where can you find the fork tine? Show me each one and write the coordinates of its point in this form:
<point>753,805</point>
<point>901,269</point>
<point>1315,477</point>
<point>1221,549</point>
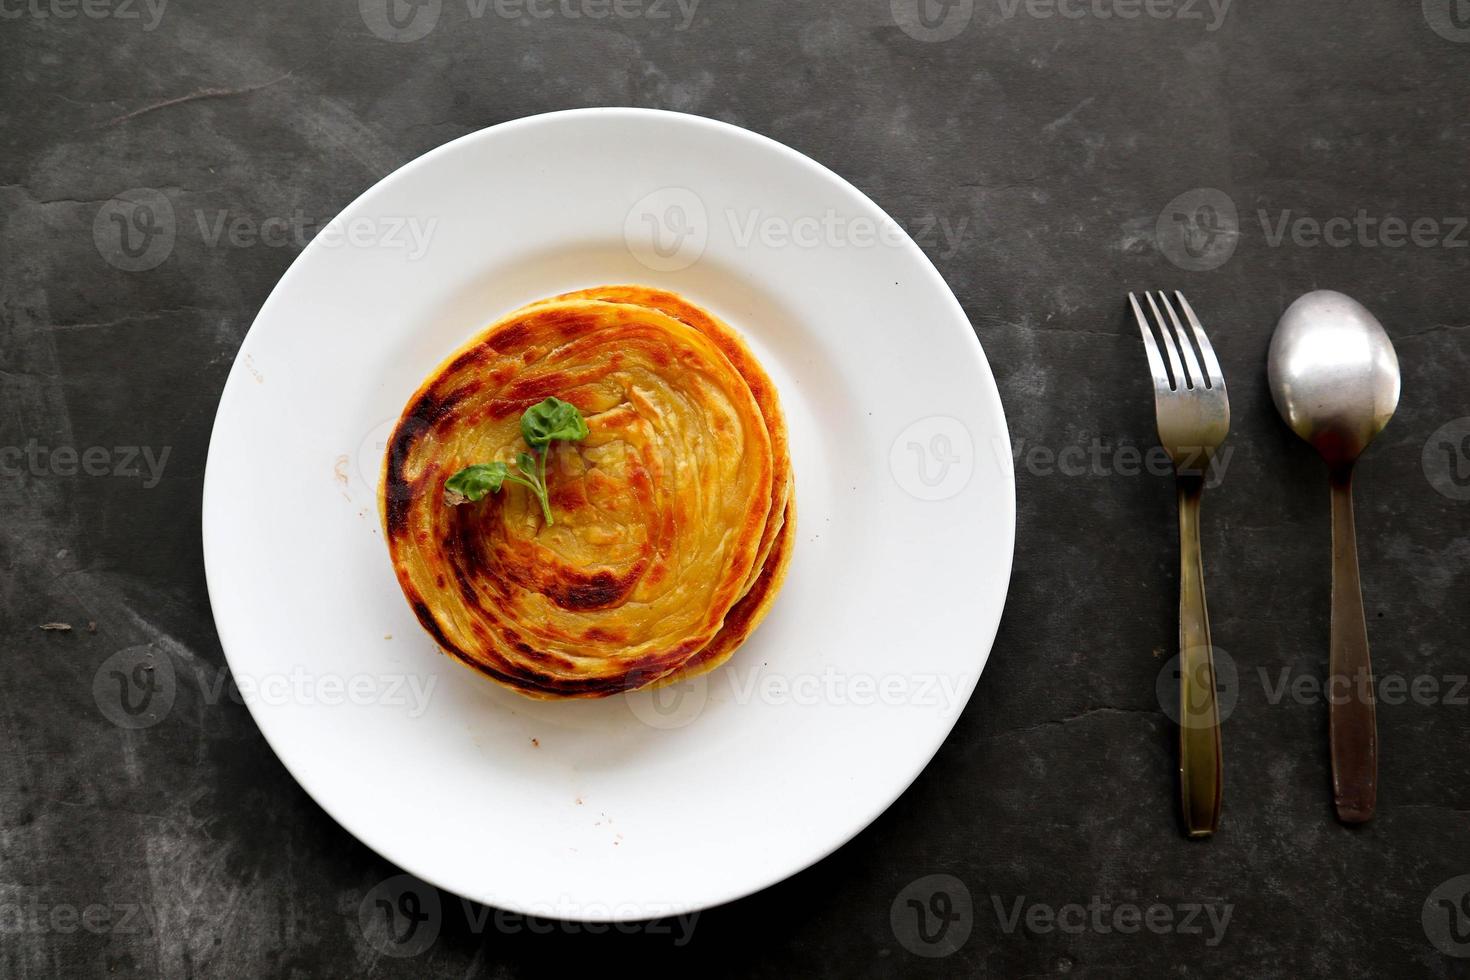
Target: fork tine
<point>1196,376</point>
<point>1181,382</point>
<point>1206,351</point>
<point>1150,347</point>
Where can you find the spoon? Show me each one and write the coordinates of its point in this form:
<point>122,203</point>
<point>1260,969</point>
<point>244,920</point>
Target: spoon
<point>1335,379</point>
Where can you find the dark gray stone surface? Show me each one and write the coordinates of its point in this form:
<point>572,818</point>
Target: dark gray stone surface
<point>1041,150</point>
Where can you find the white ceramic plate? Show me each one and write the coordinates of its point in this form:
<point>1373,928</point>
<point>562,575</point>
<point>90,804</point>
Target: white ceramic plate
<point>653,803</point>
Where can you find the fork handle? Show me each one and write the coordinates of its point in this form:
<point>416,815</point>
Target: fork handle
<point>1352,721</point>
<point>1200,768</point>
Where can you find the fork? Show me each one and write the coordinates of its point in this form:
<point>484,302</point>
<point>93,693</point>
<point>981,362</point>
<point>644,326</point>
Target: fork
<point>1193,412</point>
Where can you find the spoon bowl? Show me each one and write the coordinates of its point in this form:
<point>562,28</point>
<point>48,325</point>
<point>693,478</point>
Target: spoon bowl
<point>1334,374</point>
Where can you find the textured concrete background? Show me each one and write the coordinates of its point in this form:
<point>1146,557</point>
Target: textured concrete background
<point>1058,157</point>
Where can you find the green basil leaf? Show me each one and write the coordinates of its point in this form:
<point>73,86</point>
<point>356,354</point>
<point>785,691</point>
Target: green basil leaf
<point>527,463</point>
<point>473,482</point>
<point>552,419</point>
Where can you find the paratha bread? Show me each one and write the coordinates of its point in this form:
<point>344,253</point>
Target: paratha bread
<point>662,514</point>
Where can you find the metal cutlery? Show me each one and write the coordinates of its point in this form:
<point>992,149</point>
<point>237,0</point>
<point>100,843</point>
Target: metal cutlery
<point>1335,379</point>
<point>1193,412</point>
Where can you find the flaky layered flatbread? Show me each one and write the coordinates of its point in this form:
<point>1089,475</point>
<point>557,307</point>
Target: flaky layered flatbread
<point>671,528</point>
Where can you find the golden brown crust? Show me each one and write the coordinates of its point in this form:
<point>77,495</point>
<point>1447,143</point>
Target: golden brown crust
<point>661,513</point>
<point>736,351</point>
<point>673,517</point>
<point>779,539</point>
<point>750,610</point>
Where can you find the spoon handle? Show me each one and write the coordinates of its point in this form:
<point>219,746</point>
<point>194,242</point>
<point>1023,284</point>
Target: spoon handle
<point>1200,769</point>
<point>1353,727</point>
